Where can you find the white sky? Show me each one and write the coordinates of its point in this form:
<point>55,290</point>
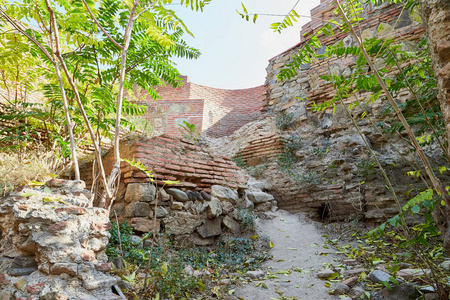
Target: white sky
<point>235,52</point>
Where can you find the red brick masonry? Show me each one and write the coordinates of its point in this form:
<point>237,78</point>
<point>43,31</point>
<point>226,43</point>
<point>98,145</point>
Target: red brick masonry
<point>175,159</point>
<point>261,148</point>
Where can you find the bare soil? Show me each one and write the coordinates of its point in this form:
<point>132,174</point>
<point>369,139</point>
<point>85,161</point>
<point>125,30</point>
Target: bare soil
<point>297,246</point>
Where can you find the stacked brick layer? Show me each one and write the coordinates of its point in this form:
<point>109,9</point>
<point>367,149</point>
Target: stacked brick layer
<point>261,148</point>
<point>174,159</point>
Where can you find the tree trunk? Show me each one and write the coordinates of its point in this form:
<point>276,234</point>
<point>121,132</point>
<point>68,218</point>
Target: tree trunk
<point>436,20</point>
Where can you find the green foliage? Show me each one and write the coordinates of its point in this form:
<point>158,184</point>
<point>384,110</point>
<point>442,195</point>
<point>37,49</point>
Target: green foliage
<point>167,270</point>
<point>322,150</point>
<point>257,171</point>
<point>310,178</point>
<point>283,120</point>
<point>93,61</point>
<point>190,131</point>
<point>287,158</point>
<point>239,161</point>
<point>366,168</point>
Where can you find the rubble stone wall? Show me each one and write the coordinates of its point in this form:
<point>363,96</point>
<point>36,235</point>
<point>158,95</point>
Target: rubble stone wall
<point>52,244</point>
<point>328,171</point>
<point>384,20</point>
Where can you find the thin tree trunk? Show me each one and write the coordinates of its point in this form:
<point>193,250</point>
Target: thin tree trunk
<point>68,121</point>
<point>429,170</point>
<point>436,20</point>
<point>61,85</point>
<point>115,174</point>
<point>77,98</point>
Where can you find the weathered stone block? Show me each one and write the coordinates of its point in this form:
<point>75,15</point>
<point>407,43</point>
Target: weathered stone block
<point>214,208</point>
<point>145,225</point>
<point>210,228</point>
<point>140,192</point>
<point>224,194</point>
<point>137,209</point>
<point>231,224</point>
<point>259,197</point>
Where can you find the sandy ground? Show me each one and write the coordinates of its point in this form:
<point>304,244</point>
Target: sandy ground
<point>297,243</point>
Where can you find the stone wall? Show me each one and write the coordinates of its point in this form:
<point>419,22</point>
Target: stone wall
<point>383,20</point>
<point>52,244</point>
<point>333,175</point>
<point>208,194</point>
<point>216,112</point>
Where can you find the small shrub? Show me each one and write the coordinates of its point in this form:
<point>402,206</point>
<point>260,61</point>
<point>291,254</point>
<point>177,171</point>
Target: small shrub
<point>283,120</point>
<point>247,218</point>
<point>190,131</point>
<point>287,158</point>
<point>257,171</point>
<point>365,168</point>
<point>18,168</point>
<point>239,161</point>
<point>310,178</point>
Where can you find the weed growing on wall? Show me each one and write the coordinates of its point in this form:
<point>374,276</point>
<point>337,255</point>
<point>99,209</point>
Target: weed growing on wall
<point>239,161</point>
<point>283,120</point>
<point>257,171</point>
<point>190,131</point>
<point>366,168</point>
<point>287,158</point>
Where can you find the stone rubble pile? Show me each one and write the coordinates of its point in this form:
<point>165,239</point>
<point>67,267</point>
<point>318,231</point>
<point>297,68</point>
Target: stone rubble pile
<point>192,217</point>
<point>52,244</point>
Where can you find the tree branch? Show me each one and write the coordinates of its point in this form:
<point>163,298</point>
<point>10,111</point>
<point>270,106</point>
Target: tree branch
<point>100,26</point>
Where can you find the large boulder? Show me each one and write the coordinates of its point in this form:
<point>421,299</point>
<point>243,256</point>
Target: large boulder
<point>259,197</point>
<point>224,194</point>
<point>140,192</point>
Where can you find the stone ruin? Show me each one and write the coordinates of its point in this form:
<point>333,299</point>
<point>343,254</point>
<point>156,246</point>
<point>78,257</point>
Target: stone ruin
<point>52,244</point>
<point>52,241</point>
<point>208,195</point>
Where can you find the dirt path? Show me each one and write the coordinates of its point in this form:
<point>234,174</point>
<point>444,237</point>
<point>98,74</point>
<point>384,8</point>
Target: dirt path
<point>297,244</point>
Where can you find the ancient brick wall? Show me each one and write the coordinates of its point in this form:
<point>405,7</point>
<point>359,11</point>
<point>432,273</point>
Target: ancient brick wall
<point>175,159</point>
<point>261,148</point>
<point>384,20</point>
<point>333,175</point>
<point>217,112</point>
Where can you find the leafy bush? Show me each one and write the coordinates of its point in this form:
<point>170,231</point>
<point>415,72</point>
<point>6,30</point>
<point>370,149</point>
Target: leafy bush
<point>283,120</point>
<point>287,158</point>
<point>239,161</point>
<point>167,276</point>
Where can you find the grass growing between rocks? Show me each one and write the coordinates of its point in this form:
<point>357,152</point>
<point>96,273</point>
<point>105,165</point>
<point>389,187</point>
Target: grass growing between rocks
<point>180,273</point>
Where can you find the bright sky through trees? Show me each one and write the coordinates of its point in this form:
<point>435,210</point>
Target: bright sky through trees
<point>235,53</point>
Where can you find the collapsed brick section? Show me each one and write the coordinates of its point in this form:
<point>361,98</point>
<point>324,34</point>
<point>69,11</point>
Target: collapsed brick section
<point>175,159</point>
<point>261,149</point>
